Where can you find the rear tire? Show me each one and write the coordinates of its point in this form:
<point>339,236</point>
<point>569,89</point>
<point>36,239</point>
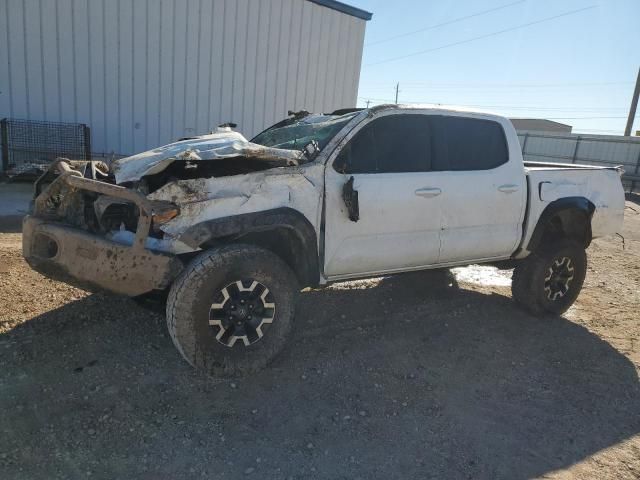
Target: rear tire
<point>231,310</point>
<point>550,280</point>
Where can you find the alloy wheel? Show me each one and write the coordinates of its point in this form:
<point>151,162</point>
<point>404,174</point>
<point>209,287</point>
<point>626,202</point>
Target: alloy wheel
<point>241,311</point>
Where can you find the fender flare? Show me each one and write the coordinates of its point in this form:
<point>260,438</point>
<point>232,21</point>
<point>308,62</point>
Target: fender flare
<point>561,207</point>
<point>301,252</point>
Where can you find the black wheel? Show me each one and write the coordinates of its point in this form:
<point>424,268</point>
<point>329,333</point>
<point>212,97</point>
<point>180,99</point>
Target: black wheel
<point>230,312</point>
<point>550,280</point>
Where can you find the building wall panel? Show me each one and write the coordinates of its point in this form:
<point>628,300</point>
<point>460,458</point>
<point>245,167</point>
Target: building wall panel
<point>82,57</point>
<point>17,58</point>
<point>203,66</point>
<point>111,53</point>
<point>66,61</point>
<point>5,84</point>
<point>142,73</point>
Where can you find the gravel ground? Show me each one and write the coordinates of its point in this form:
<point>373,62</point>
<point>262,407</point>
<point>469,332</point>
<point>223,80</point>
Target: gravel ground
<point>417,376</point>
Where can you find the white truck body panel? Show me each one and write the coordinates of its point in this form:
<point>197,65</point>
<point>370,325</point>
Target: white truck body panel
<point>600,185</point>
<point>397,228</point>
<point>464,216</point>
<point>483,210</point>
<point>221,144</point>
<point>408,221</point>
<point>205,199</point>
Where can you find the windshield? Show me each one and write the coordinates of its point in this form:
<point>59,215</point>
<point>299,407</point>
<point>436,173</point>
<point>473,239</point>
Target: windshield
<point>300,132</point>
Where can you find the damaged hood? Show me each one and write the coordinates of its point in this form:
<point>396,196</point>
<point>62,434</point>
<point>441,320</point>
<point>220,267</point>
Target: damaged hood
<point>221,144</point>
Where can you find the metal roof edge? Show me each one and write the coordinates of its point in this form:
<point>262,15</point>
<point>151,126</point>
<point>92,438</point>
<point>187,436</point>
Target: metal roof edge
<point>541,119</point>
<point>344,8</point>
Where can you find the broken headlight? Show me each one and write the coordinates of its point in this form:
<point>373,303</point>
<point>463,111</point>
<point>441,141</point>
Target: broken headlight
<point>163,213</point>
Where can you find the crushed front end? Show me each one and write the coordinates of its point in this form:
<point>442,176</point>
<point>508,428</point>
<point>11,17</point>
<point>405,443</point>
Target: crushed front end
<point>126,228</point>
<point>69,235</point>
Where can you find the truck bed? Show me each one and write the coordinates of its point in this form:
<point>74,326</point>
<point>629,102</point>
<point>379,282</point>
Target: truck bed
<point>564,166</point>
<point>548,182</point>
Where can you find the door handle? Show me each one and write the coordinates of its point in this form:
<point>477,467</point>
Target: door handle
<point>508,188</point>
<point>428,192</point>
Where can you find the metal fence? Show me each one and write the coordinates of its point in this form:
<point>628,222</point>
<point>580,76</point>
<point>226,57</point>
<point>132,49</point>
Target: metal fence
<point>29,146</point>
<point>604,150</point>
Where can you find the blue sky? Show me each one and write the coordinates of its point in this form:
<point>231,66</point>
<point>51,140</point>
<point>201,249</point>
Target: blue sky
<point>582,64</point>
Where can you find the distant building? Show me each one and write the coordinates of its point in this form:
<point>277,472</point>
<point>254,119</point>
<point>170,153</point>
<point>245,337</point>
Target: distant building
<point>540,125</point>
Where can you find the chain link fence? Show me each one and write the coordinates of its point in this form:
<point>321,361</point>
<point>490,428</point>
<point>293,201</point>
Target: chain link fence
<point>28,147</point>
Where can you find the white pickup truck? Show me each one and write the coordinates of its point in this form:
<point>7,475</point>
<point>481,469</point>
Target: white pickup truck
<point>231,230</point>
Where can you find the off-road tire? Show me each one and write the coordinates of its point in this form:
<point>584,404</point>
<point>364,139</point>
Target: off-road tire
<point>528,282</point>
<point>190,300</point>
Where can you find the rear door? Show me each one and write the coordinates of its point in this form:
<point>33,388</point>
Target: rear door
<point>483,185</point>
<point>398,228</point>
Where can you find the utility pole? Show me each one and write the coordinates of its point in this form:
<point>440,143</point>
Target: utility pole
<point>368,102</point>
<point>634,105</point>
<point>397,90</point>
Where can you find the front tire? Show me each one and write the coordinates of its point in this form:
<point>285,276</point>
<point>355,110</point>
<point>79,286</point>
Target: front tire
<point>550,280</point>
<point>231,310</point>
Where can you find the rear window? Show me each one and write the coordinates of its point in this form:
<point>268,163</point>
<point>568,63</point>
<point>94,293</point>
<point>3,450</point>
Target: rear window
<point>467,144</point>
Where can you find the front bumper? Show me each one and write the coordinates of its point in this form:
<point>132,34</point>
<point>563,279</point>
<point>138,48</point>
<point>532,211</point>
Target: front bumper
<point>90,261</point>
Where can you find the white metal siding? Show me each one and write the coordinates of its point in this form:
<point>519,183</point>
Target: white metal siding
<point>142,73</point>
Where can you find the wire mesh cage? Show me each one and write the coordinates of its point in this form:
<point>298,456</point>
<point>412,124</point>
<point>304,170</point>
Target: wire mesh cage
<point>28,147</point>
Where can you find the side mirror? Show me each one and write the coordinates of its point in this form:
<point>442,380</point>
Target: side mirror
<point>340,163</point>
<point>311,150</point>
<point>350,197</point>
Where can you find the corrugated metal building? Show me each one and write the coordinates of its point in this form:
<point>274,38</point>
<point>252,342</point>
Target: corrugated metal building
<point>142,73</point>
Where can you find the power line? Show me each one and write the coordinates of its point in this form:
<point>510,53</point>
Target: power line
<point>448,22</point>
<point>492,34</point>
<point>504,85</point>
<point>487,86</point>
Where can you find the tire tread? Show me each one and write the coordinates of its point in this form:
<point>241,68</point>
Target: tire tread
<point>183,297</point>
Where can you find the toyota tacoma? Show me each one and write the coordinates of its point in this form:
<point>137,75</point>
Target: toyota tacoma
<point>230,230</point>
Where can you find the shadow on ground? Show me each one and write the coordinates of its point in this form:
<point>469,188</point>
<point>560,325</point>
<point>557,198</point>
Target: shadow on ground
<point>405,378</point>
<point>11,224</point>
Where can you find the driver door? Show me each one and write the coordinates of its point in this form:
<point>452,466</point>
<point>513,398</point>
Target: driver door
<point>399,200</point>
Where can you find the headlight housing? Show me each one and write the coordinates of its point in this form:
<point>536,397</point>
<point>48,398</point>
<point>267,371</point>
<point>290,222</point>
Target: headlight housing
<point>163,213</point>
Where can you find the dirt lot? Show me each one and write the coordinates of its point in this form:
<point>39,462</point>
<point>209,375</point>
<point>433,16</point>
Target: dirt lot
<point>418,376</point>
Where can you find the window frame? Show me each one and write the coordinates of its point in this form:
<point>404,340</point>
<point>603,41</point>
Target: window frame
<point>355,130</point>
<point>503,136</point>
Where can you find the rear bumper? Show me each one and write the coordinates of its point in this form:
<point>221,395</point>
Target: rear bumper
<point>90,261</point>
<point>94,263</point>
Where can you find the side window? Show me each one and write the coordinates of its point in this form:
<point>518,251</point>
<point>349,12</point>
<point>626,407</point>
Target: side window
<point>389,144</point>
<point>467,144</point>
<point>358,156</point>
